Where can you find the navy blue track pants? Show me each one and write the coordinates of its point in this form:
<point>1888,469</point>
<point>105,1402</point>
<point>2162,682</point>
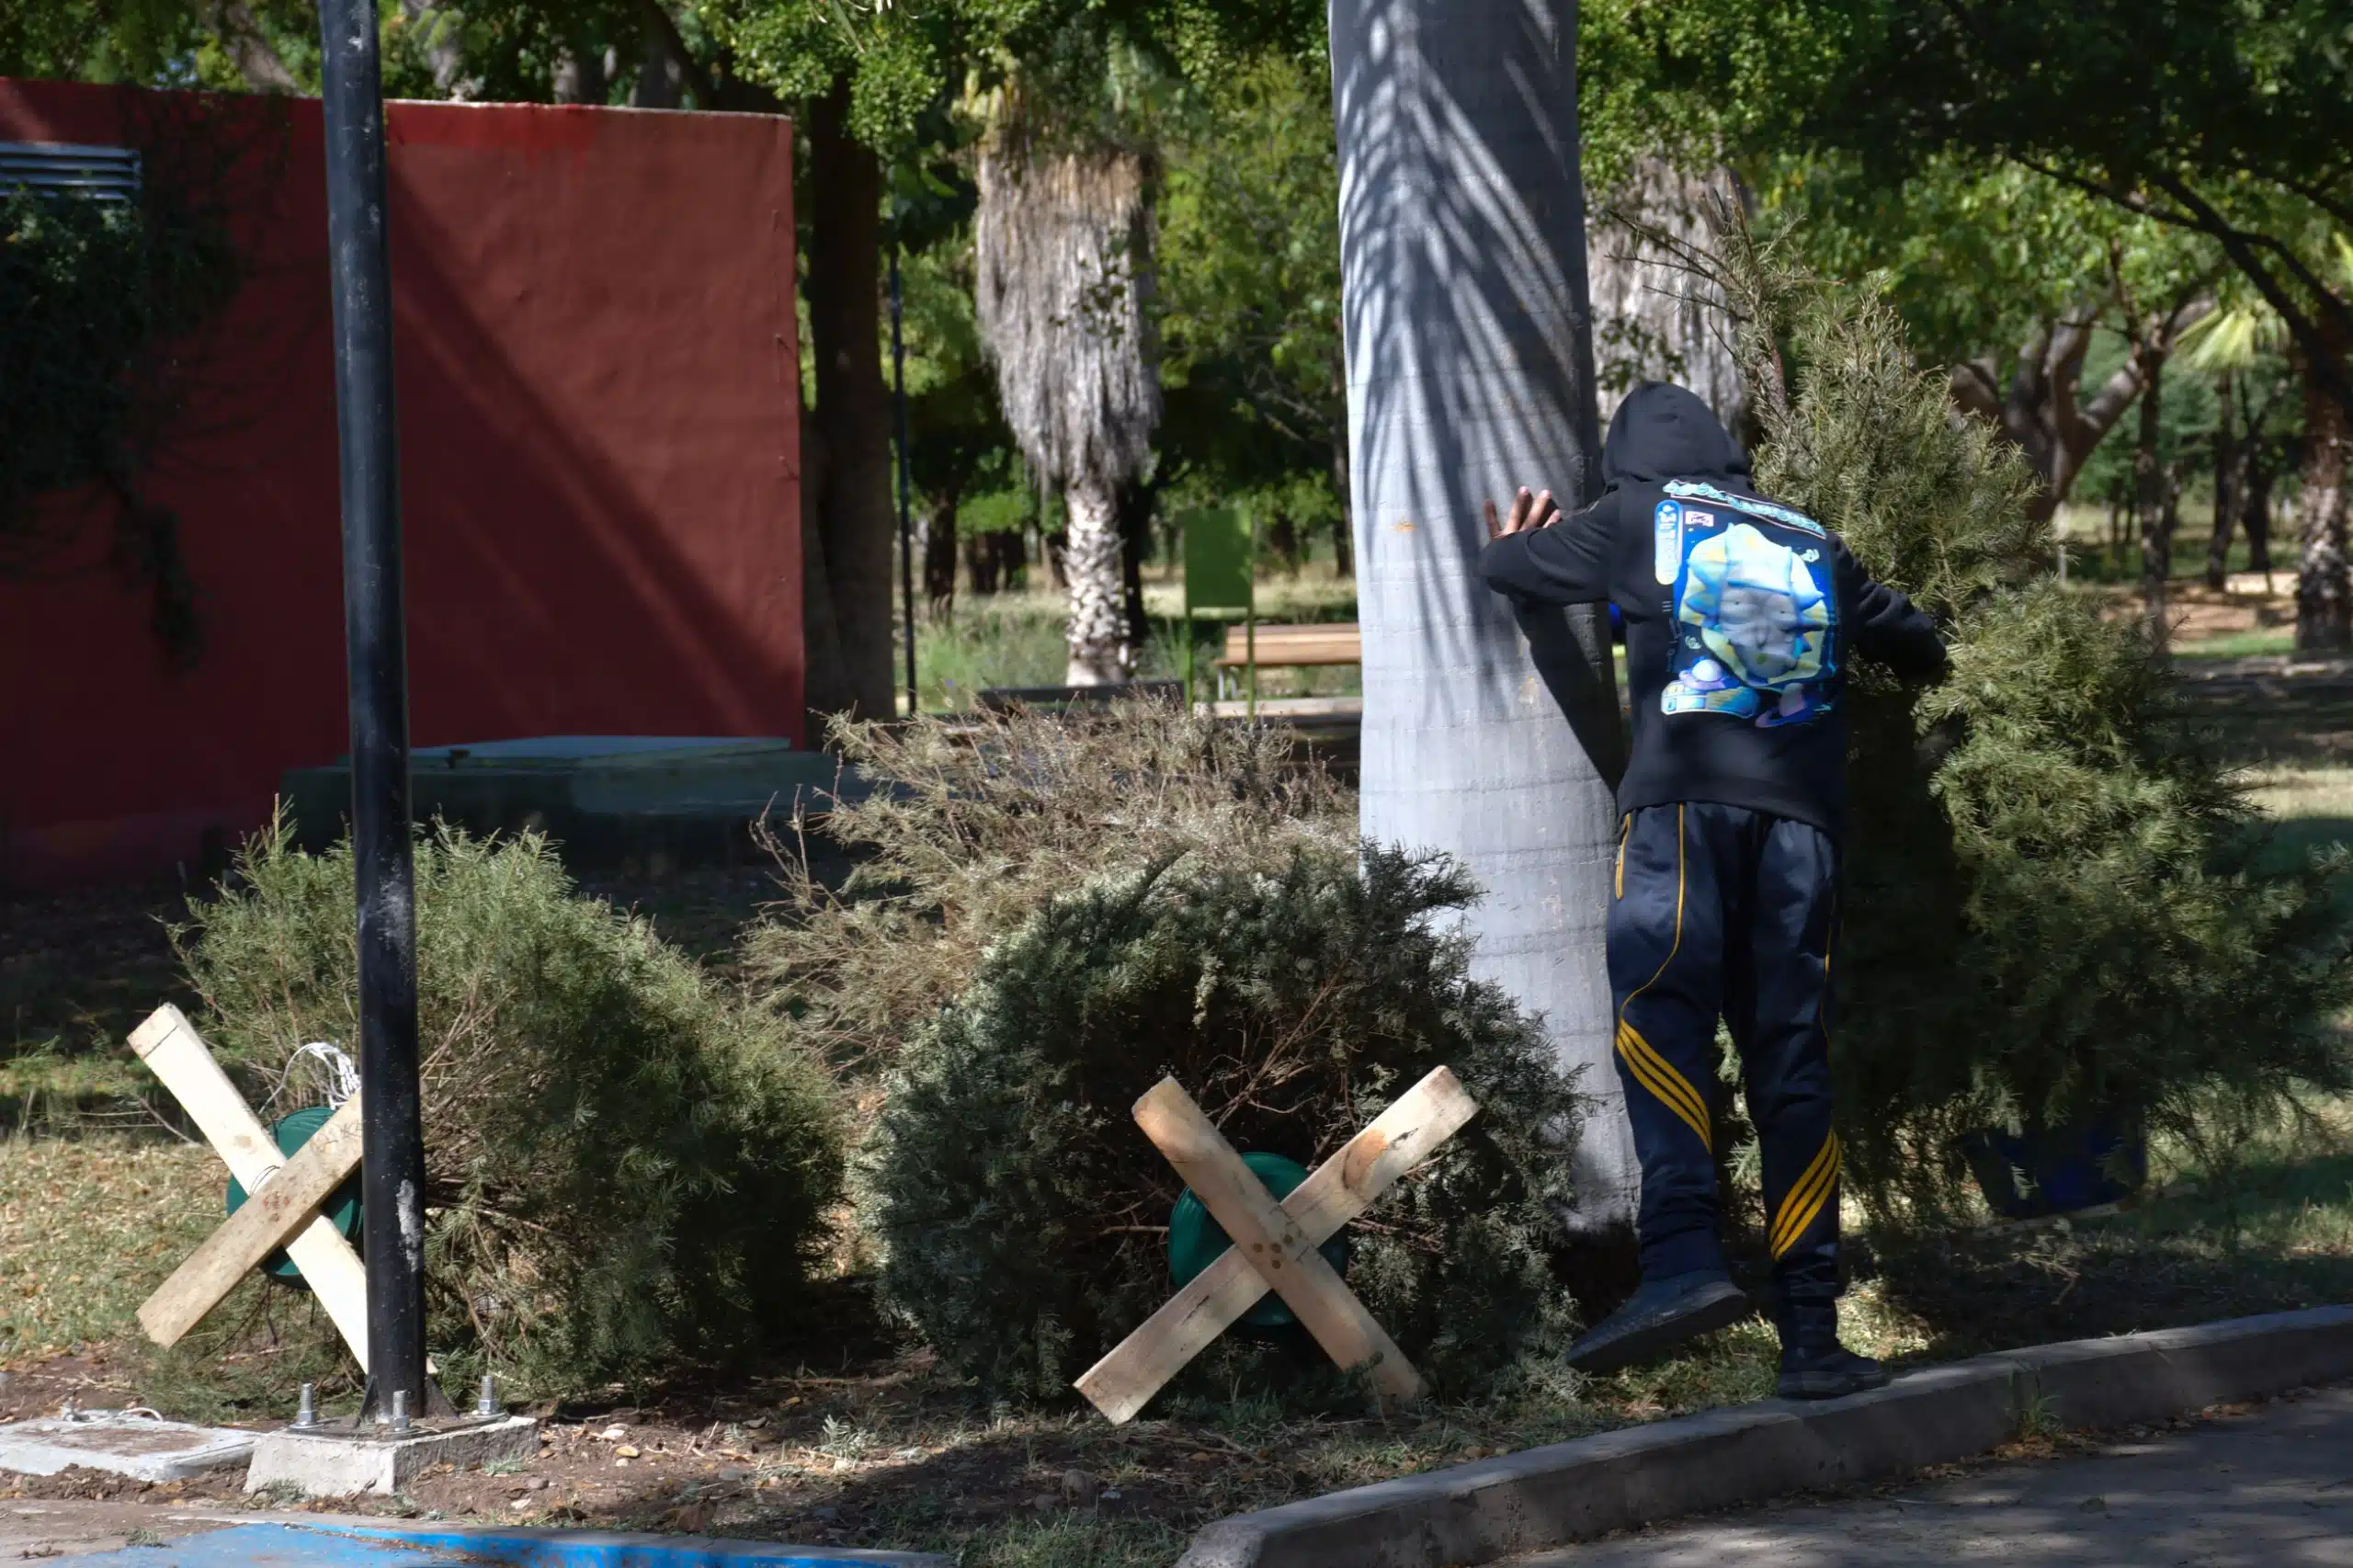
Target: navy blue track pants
<point>1718,910</point>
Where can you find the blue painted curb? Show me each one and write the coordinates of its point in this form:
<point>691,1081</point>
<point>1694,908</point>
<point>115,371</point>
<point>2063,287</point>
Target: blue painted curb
<point>540,1547</point>
<point>264,1546</point>
<point>313,1543</point>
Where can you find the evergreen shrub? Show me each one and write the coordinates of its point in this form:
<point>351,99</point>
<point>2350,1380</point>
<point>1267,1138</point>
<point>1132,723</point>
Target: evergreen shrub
<point>1047,915</point>
<point>627,1165</point>
<point>1022,1213</point>
<point>2059,906</point>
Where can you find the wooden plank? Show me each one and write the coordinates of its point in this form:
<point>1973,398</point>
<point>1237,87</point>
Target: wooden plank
<point>281,1206</point>
<point>1273,1241</point>
<point>177,1054</point>
<point>1335,1192</point>
<point>1281,646</point>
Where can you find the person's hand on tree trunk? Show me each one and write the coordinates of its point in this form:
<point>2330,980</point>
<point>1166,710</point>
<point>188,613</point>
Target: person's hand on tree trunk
<point>1530,511</point>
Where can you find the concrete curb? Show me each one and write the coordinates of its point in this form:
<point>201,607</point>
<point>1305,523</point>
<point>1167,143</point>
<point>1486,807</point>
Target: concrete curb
<point>1567,1491</point>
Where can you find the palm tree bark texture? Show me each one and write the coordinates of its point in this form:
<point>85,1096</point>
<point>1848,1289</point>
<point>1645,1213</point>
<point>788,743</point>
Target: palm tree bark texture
<point>1470,371</point>
<point>1063,240</point>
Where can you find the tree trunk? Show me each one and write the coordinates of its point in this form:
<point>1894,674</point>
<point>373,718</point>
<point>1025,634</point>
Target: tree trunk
<point>1137,500</point>
<point>2256,517</point>
<point>1470,369</point>
<point>939,556</point>
<point>2324,612</point>
<point>660,75</point>
<point>443,50</point>
<point>250,49</point>
<point>2149,492</point>
<point>2230,477</point>
<point>1344,557</point>
<point>1657,320</point>
<point>580,73</point>
<point>983,561</point>
<point>1100,652</point>
<point>852,418</point>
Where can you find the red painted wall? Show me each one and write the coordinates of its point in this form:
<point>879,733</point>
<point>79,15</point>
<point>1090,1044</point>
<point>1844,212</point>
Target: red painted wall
<point>598,386</point>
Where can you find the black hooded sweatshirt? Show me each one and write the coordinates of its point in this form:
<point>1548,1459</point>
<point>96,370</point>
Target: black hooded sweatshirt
<point>1741,615</point>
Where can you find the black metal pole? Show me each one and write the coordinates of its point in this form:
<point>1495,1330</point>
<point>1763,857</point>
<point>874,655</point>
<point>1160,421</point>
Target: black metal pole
<point>906,527</point>
<point>392,1133</point>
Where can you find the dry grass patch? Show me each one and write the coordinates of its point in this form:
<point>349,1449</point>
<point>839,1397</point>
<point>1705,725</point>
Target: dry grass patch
<point>88,1227</point>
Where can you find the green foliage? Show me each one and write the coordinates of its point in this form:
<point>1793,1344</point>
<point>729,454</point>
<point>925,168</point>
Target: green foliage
<point>89,290</point>
<point>2227,121</point>
<point>1021,1209</point>
<point>2054,905</point>
<point>626,1165</point>
<point>1248,285</point>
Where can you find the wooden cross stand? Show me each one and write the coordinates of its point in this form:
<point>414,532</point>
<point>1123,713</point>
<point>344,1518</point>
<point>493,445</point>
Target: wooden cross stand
<point>1274,1245</point>
<point>286,1193</point>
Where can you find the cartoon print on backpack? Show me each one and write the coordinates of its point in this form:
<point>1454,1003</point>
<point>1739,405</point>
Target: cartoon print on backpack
<point>1756,621</point>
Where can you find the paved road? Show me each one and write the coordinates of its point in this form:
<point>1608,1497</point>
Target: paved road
<point>2271,1490</point>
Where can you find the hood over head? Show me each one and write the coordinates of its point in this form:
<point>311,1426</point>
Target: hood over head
<point>1661,432</point>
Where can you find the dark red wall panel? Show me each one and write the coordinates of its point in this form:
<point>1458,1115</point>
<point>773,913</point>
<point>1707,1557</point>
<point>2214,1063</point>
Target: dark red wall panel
<point>598,395</point>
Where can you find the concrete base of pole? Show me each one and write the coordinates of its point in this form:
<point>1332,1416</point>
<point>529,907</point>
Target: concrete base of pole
<point>337,1462</point>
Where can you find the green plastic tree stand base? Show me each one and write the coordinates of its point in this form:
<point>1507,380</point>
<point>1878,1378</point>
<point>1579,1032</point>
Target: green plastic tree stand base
<point>1194,1239</point>
<point>342,1207</point>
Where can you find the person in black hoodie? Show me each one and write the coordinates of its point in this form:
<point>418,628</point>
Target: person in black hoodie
<point>1741,615</point>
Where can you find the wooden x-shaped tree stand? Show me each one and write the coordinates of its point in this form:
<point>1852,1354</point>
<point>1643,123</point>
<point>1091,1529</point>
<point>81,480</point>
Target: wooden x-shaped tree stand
<point>1275,1245</point>
<point>285,1194</point>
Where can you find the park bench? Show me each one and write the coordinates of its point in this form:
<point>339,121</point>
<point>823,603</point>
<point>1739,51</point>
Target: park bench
<point>1290,647</point>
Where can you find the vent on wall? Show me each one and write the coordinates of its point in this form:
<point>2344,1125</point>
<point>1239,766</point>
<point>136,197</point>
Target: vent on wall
<point>102,174</point>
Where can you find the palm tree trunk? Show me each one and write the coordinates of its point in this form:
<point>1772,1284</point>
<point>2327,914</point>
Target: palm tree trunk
<point>2323,613</point>
<point>1469,367</point>
<point>1099,650</point>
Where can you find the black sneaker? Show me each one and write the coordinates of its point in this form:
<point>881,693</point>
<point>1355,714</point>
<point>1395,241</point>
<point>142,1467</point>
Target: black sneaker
<point>1660,1315</point>
<point>1830,1371</point>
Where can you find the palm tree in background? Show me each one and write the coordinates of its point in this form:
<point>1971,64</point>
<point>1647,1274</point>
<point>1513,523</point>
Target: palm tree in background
<point>1062,241</point>
<point>1470,371</point>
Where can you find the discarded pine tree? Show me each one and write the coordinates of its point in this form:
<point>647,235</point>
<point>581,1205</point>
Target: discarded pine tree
<point>627,1165</point>
<point>2060,906</point>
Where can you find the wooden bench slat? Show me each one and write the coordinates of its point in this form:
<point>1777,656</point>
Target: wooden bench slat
<point>1330,642</point>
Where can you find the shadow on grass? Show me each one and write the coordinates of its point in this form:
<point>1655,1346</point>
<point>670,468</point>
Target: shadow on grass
<point>2293,838</point>
<point>2276,1238</point>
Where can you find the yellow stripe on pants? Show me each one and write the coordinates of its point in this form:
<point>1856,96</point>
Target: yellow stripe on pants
<point>1806,1198</point>
<point>1657,1075</point>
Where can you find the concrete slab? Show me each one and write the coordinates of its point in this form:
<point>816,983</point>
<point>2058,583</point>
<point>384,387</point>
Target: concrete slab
<point>47,1529</point>
<point>122,1443</point>
<point>337,1462</point>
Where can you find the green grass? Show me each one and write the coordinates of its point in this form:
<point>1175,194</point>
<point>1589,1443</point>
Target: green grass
<point>2090,559</point>
<point>1016,639</point>
<point>2239,644</point>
